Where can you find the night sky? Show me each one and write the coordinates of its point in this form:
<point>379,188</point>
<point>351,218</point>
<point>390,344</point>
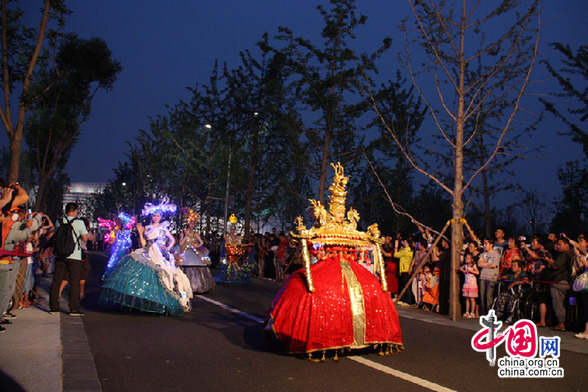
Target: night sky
<point>166,46</point>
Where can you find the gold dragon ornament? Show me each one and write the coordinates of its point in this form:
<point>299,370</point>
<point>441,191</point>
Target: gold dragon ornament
<point>335,228</point>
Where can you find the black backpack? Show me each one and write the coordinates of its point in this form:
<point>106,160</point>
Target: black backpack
<point>64,244</point>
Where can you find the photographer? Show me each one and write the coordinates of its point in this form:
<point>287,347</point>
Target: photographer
<point>536,257</point>
<point>12,195</point>
<point>17,231</point>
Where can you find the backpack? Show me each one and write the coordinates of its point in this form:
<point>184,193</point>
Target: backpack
<point>64,244</point>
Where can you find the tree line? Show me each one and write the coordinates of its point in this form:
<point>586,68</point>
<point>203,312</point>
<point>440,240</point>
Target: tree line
<point>256,139</point>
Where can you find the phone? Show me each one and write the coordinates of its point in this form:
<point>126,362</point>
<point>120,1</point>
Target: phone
<point>417,245</point>
<point>29,214</point>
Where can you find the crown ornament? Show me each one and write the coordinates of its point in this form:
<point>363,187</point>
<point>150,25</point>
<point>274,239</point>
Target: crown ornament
<point>337,190</point>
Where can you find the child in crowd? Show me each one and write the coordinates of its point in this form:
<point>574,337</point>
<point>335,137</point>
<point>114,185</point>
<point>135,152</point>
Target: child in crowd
<point>470,287</point>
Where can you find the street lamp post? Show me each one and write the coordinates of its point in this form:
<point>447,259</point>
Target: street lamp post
<point>227,192</point>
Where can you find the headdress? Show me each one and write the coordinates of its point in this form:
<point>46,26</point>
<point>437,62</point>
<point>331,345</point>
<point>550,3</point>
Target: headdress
<point>233,219</point>
<point>192,216</point>
<point>337,190</point>
<point>126,220</point>
<point>161,208</point>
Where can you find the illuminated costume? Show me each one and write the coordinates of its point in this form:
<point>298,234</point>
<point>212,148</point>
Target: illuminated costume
<point>234,268</point>
<point>335,303</point>
<point>193,258</point>
<point>119,237</point>
<point>147,279</point>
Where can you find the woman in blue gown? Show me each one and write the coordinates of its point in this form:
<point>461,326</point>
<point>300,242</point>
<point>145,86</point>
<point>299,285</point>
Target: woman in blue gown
<point>147,279</point>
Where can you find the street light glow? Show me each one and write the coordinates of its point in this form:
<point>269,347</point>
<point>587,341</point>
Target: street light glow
<point>207,126</point>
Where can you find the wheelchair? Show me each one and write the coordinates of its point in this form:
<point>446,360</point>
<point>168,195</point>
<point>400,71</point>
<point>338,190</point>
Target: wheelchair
<point>522,307</point>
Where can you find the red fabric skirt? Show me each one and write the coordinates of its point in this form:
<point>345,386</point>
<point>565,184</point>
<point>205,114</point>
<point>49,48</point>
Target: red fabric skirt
<point>306,322</point>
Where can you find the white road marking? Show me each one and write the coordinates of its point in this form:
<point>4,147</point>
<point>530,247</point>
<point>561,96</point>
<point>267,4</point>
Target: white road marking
<point>231,309</point>
<point>404,376</point>
<point>374,365</point>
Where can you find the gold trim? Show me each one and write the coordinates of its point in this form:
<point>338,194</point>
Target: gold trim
<point>357,305</point>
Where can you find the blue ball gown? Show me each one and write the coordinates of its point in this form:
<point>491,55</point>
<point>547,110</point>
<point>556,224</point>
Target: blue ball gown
<point>147,279</point>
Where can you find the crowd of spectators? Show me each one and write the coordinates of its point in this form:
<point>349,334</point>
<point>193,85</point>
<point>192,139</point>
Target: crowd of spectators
<point>25,253</point>
<point>501,273</point>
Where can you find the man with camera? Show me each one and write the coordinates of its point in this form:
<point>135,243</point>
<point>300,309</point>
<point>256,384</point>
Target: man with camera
<point>536,257</point>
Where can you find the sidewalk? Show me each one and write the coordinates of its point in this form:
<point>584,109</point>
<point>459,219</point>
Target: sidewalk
<point>30,348</point>
<point>33,356</point>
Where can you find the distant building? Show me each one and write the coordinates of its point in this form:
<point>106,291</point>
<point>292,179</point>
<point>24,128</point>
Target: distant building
<point>80,192</point>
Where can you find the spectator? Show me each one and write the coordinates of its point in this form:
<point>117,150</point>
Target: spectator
<point>518,284</point>
<point>405,254</point>
<point>72,263</point>
<point>442,258</point>
<point>581,259</point>
<point>500,242</point>
<point>391,266</point>
<point>470,286</point>
<point>9,265</point>
<point>536,257</point>
<point>560,274</point>
<point>488,264</point>
<point>431,292</point>
<point>511,253</point>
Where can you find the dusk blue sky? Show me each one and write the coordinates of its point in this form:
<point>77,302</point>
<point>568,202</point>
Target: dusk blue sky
<point>166,46</point>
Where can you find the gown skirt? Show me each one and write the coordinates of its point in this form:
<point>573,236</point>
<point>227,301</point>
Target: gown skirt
<point>348,309</point>
<point>195,266</point>
<point>133,284</point>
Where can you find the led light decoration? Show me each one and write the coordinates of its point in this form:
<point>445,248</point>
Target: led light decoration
<point>120,247</point>
<point>111,226</point>
<point>164,207</point>
<point>127,221</point>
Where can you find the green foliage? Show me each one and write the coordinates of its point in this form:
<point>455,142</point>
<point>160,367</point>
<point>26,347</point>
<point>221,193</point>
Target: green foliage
<point>571,209</point>
<point>326,78</point>
<point>573,80</point>
<point>60,101</point>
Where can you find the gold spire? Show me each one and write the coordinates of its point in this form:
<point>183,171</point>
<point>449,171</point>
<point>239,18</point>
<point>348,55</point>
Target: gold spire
<point>337,190</point>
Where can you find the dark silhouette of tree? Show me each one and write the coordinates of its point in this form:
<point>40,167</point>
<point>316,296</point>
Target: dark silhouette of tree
<point>63,94</point>
<point>21,51</point>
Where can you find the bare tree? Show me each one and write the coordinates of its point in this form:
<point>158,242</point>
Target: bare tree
<point>452,42</point>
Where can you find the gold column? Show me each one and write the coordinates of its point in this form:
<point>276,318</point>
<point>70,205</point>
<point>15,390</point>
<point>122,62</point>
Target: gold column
<point>306,258</point>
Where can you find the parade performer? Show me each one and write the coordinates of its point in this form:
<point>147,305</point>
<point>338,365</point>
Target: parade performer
<point>119,238</point>
<point>234,268</point>
<point>193,257</point>
<point>335,303</point>
<point>147,279</point>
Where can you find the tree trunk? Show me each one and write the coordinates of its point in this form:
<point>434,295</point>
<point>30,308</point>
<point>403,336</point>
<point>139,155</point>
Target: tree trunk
<point>456,224</point>
<point>15,135</point>
<point>250,184</point>
<point>41,193</point>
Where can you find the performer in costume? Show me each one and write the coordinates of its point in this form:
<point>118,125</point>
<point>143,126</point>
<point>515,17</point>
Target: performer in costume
<point>335,303</point>
<point>147,279</point>
<point>119,238</point>
<point>193,257</point>
<point>235,269</point>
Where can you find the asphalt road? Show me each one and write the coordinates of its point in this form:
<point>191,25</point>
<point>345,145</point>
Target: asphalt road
<point>215,349</point>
